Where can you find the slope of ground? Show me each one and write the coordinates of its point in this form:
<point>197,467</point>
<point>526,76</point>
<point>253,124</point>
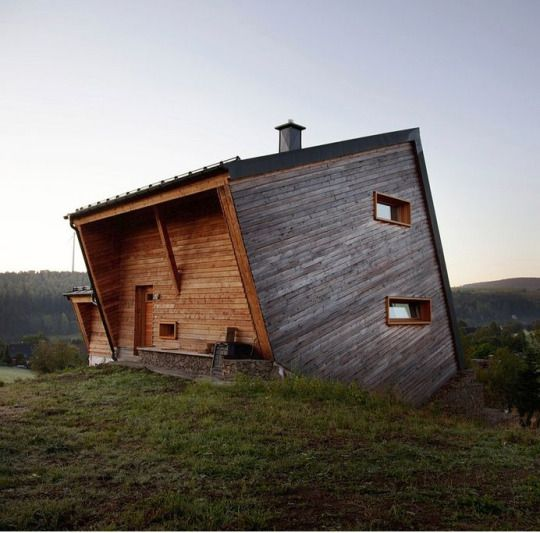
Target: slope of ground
<point>112,448</point>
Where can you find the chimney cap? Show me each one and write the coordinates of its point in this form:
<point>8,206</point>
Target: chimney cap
<point>290,124</point>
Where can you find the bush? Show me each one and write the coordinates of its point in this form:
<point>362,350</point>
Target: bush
<point>502,376</point>
<point>514,380</point>
<point>54,356</point>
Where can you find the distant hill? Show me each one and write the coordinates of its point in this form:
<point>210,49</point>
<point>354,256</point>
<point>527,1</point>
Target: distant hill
<point>498,301</point>
<point>520,284</point>
<point>32,302</point>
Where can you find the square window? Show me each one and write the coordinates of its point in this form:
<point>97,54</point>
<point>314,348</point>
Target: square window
<point>403,310</point>
<point>167,330</point>
<point>390,209</point>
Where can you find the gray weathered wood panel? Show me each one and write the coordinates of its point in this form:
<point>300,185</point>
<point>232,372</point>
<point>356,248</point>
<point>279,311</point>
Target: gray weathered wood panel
<point>323,266</point>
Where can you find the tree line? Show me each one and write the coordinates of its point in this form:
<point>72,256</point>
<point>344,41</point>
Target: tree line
<point>33,302</point>
<point>481,307</point>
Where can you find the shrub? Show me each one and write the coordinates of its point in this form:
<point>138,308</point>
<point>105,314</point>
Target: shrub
<point>502,376</point>
<point>54,356</point>
<point>514,379</point>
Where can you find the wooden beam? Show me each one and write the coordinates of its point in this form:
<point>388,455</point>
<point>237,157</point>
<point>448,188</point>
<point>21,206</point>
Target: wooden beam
<point>80,299</point>
<point>97,290</point>
<point>82,324</point>
<point>151,199</point>
<point>235,233</point>
<point>166,242</point>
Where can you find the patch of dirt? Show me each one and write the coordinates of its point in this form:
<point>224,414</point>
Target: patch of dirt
<point>310,508</point>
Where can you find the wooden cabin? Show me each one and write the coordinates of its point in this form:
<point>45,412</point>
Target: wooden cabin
<point>324,261</point>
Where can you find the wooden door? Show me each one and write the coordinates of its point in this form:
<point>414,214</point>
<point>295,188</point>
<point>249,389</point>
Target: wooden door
<point>144,316</point>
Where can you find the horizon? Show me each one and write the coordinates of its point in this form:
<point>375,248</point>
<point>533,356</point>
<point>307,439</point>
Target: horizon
<point>102,98</point>
<point>85,272</point>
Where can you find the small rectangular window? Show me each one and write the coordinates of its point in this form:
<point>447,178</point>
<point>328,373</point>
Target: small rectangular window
<point>390,209</point>
<point>404,310</point>
<point>167,330</point>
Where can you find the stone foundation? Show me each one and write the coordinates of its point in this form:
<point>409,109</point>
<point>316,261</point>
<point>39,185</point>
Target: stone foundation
<point>260,368</point>
<point>198,364</point>
<point>94,360</point>
<point>191,364</point>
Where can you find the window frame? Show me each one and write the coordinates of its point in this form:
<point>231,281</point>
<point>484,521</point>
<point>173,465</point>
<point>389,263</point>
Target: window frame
<point>167,336</point>
<point>425,311</point>
<point>403,206</point>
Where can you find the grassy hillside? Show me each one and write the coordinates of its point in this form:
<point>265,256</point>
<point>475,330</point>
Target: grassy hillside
<point>10,374</point>
<point>112,448</point>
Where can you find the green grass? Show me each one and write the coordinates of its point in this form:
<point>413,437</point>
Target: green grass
<point>9,374</point>
<point>113,448</point>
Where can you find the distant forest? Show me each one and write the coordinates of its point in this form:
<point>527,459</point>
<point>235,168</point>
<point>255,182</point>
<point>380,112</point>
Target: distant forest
<point>32,302</point>
<point>478,307</point>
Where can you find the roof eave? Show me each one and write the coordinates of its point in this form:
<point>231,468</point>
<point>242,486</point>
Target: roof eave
<point>151,189</point>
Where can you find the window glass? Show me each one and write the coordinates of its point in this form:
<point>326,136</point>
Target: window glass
<point>403,310</point>
<point>384,211</point>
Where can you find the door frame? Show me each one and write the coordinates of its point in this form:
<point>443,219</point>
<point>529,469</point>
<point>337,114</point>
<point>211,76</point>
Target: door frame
<point>140,315</point>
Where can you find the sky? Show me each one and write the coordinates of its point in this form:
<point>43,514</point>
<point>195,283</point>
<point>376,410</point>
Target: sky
<point>101,97</point>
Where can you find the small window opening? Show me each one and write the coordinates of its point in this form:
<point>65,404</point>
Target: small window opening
<point>401,310</point>
<point>167,330</point>
<point>390,209</point>
<point>149,296</point>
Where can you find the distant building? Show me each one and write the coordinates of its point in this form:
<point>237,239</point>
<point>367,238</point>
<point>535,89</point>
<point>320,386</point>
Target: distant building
<point>325,260</point>
<point>20,348</point>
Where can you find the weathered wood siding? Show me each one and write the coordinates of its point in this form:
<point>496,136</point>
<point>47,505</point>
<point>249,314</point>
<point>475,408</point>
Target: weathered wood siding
<point>323,266</point>
<point>211,294</point>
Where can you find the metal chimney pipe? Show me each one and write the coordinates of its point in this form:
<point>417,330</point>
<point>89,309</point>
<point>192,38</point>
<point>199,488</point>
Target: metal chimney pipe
<point>290,136</point>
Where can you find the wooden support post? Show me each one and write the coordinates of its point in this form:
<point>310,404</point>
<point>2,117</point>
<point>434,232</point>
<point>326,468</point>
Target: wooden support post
<point>229,212</point>
<point>82,324</point>
<point>166,242</point>
<point>81,232</point>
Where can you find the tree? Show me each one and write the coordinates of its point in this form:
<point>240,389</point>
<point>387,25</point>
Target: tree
<point>53,356</point>
<point>502,376</point>
<point>5,359</point>
<point>35,339</point>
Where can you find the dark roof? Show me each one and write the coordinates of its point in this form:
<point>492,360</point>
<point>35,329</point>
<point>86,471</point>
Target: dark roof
<point>314,154</point>
<point>239,168</point>
<point>83,290</point>
<point>158,185</point>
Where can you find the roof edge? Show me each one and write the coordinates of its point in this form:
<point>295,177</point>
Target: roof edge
<point>451,313</point>
<point>314,154</point>
<point>150,189</point>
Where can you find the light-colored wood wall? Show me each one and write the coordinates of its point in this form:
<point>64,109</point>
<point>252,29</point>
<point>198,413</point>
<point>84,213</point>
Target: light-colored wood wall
<point>91,326</point>
<point>323,266</point>
<point>211,293</point>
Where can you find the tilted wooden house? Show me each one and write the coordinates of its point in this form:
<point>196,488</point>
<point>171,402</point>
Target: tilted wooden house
<point>326,260</point>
